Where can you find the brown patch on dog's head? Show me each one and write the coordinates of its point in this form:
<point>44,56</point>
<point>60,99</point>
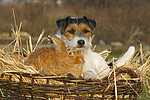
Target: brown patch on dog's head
<point>71,27</point>
<point>77,30</point>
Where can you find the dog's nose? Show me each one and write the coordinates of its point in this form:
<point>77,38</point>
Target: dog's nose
<point>81,43</point>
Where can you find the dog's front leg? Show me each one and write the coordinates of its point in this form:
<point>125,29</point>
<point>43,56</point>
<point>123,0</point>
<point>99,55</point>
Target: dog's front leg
<point>89,71</point>
<point>89,75</point>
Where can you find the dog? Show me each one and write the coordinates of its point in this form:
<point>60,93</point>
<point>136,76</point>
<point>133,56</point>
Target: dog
<point>77,35</point>
<point>56,60</point>
<point>76,32</point>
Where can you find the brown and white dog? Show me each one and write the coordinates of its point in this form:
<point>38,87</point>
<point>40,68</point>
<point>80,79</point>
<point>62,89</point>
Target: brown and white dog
<point>76,32</point>
<point>77,35</point>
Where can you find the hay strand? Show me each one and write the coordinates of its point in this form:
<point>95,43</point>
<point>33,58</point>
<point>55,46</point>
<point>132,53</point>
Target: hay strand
<point>30,44</point>
<point>39,39</point>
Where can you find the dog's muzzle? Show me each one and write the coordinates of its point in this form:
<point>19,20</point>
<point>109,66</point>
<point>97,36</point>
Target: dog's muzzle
<point>81,43</point>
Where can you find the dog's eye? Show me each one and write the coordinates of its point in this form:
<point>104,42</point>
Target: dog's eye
<point>71,31</point>
<point>85,31</point>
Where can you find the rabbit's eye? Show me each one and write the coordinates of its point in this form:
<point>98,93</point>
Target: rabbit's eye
<point>51,41</point>
<point>70,53</point>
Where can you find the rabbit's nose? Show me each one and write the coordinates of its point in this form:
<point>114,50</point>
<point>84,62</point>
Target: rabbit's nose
<point>81,43</point>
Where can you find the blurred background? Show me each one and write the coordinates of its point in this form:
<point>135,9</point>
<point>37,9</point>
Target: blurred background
<point>120,23</point>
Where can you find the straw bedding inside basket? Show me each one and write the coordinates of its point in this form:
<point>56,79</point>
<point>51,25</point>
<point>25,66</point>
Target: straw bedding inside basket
<point>19,81</point>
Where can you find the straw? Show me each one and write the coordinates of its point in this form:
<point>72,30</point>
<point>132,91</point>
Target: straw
<point>39,39</point>
<point>131,86</point>
<point>30,44</point>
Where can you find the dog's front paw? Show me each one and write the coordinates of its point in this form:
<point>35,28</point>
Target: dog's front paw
<point>89,75</point>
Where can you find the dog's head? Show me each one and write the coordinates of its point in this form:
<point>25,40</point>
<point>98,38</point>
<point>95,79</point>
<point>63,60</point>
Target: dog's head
<point>76,32</point>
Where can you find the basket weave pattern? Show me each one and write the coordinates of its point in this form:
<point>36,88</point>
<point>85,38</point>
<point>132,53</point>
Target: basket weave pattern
<point>45,87</point>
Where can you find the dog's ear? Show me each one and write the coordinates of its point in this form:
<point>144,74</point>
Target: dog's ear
<point>61,23</point>
<point>91,22</point>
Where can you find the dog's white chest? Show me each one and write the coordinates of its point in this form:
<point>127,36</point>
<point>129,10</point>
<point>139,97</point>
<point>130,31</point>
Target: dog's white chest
<point>94,65</point>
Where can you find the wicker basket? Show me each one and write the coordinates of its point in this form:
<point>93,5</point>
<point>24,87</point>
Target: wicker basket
<point>49,87</point>
<point>18,81</point>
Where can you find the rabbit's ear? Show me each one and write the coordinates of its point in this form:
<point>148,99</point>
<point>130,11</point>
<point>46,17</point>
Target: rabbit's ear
<point>58,43</point>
